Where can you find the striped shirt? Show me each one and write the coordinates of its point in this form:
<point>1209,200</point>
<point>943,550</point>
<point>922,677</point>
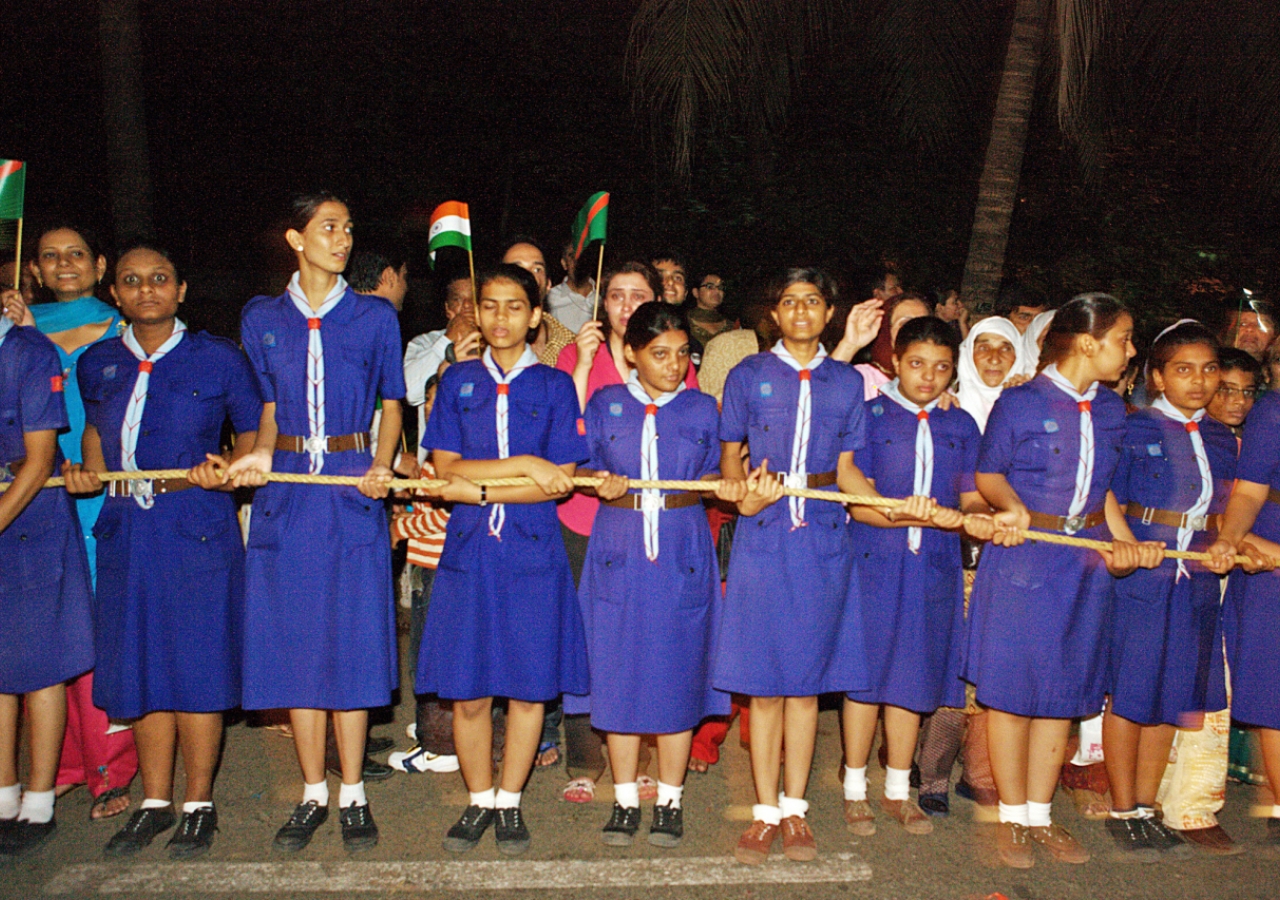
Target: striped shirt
<point>424,528</point>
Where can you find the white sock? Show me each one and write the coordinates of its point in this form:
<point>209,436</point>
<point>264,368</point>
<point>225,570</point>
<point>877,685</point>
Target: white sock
<point>317,793</point>
<point>482,799</point>
<point>507,799</point>
<point>193,805</point>
<point>1275,811</point>
<point>1018,815</point>
<point>770,815</point>
<point>855,783</point>
<point>37,807</point>
<point>792,806</point>
<point>150,803</point>
<point>10,801</point>
<point>669,795</point>
<point>627,795</point>
<point>897,784</point>
<point>1134,813</point>
<point>352,795</point>
<point>1039,815</point>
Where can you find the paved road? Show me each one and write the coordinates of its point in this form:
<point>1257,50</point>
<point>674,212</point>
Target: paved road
<point>259,784</point>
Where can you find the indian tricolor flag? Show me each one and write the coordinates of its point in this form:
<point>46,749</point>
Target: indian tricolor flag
<point>450,227</point>
<point>592,222</point>
<point>13,180</point>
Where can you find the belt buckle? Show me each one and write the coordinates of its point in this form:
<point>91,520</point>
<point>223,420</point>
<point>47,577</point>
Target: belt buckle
<point>140,488</point>
<point>650,501</point>
<point>1197,523</point>
<point>314,445</point>
<point>1072,524</point>
<point>795,480</point>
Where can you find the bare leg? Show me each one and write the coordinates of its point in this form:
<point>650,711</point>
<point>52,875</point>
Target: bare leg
<point>473,739</point>
<point>524,731</point>
<point>350,728</point>
<point>200,735</point>
<point>1153,757</point>
<point>766,747</point>
<point>309,726</point>
<point>1046,752</point>
<point>901,730</point>
<point>673,756</point>
<point>1120,739</point>
<point>1269,742</point>
<point>800,727</point>
<point>859,725</point>
<point>624,756</point>
<point>47,712</point>
<point>8,739</point>
<point>155,736</point>
<point>1007,736</point>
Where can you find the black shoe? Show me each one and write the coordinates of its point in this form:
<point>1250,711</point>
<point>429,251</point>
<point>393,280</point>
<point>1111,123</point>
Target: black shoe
<point>296,833</point>
<point>510,830</point>
<point>1165,839</point>
<point>194,836</point>
<point>1132,840</point>
<point>371,771</point>
<point>359,832</point>
<point>466,832</point>
<point>622,827</point>
<point>21,838</point>
<point>142,828</point>
<point>378,744</point>
<point>935,804</point>
<point>667,827</point>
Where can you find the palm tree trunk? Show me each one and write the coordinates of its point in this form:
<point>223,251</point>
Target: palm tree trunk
<point>125,117</point>
<point>998,187</point>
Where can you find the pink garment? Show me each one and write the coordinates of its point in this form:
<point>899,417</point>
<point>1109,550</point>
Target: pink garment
<point>872,379</point>
<point>90,755</point>
<point>579,512</point>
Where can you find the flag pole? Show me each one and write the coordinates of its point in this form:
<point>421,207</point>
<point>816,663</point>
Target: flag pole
<point>17,259</point>
<point>475,300</point>
<point>595,312</point>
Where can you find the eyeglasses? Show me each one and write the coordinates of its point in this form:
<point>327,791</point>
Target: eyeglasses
<point>1231,393</point>
<point>712,286</point>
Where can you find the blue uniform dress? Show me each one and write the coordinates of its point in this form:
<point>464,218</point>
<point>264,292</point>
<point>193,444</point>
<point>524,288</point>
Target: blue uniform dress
<point>170,578</point>
<point>789,628</point>
<point>319,629</point>
<point>1251,608</point>
<point>1040,614</point>
<point>1166,639</point>
<point>913,603</point>
<point>504,618</point>
<point>46,627</point>
<point>650,625</point>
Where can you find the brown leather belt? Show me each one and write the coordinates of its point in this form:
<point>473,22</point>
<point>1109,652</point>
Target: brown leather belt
<point>1067,524</point>
<point>130,487</point>
<point>669,501</point>
<point>816,480</point>
<point>1147,515</point>
<point>11,469</point>
<point>292,443</point>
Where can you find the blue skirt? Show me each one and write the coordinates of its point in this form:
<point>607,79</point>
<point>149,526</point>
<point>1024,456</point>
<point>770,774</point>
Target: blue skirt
<point>1251,623</point>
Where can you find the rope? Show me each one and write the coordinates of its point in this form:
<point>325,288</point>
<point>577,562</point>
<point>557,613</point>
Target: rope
<point>1047,537</point>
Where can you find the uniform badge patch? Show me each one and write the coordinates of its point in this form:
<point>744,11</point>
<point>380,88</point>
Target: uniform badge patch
<point>877,410</point>
<point>1155,450</point>
<point>1050,425</point>
<point>766,389</point>
<point>109,373</point>
<point>269,339</point>
<point>467,389</point>
<point>615,409</point>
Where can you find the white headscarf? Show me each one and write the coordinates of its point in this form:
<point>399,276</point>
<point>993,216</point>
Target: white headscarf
<point>1031,342</point>
<point>975,397</point>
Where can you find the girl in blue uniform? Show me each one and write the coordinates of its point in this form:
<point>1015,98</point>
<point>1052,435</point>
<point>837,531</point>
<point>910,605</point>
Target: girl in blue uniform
<point>504,621</point>
<point>170,561</point>
<point>908,583</point>
<point>650,589</point>
<point>46,635</point>
<point>789,632</point>
<point>1172,482</point>
<point>1039,613</point>
<point>319,633</point>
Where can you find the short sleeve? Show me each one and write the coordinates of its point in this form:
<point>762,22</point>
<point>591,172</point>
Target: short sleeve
<point>444,425</point>
<point>390,369</point>
<point>735,411</point>
<point>995,453</point>
<point>564,442</point>
<point>596,443</point>
<point>854,436</point>
<point>1260,450</point>
<point>865,457</point>
<point>711,457</point>
<point>244,403</point>
<point>41,395</point>
<point>251,333</point>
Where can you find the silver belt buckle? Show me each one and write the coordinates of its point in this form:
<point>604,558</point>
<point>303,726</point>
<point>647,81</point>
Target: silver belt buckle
<point>1197,523</point>
<point>140,488</point>
<point>314,445</point>
<point>1072,524</point>
<point>651,502</point>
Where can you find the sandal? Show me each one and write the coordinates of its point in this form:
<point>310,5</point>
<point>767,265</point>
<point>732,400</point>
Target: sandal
<point>284,730</point>
<point>1090,804</point>
<point>98,811</point>
<point>545,749</point>
<point>648,788</point>
<point>580,790</point>
<point>698,766</point>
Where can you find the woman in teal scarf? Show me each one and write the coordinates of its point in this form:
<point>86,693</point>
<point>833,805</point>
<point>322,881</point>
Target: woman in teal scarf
<point>69,265</point>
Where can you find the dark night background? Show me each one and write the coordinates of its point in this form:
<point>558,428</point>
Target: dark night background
<point>521,110</point>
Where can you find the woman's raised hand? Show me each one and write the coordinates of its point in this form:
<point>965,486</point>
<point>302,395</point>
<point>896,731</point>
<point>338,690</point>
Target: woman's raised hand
<point>15,308</point>
<point>590,337</point>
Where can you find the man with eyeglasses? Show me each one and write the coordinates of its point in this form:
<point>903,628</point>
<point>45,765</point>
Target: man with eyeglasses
<point>1019,305</point>
<point>706,316</point>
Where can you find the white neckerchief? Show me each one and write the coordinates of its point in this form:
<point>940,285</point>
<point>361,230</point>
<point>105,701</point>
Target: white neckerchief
<point>498,515</point>
<point>650,498</point>
<point>923,483</point>
<point>1084,402</point>
<point>132,424</point>
<point>317,438</point>
<point>1201,506</point>
<point>5,324</point>
<point>976,398</point>
<point>798,477</point>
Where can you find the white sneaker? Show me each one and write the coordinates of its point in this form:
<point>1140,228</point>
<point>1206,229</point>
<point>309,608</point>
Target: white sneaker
<point>417,760</point>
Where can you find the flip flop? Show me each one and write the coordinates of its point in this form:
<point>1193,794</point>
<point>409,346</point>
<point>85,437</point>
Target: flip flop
<point>580,790</point>
<point>100,803</point>
<point>648,788</point>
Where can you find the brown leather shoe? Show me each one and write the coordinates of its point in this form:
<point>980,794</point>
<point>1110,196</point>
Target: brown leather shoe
<point>1214,840</point>
<point>1013,846</point>
<point>798,842</point>
<point>909,814</point>
<point>1059,842</point>
<point>753,847</point>
<point>858,818</point>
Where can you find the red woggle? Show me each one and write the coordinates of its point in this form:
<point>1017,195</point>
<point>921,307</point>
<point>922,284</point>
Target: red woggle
<point>145,366</point>
<point>313,324</point>
<point>504,389</point>
<point>804,374</point>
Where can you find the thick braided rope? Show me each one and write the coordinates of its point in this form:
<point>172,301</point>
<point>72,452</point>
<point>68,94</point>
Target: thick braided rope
<point>1048,537</point>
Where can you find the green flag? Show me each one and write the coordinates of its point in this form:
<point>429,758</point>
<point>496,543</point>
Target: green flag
<point>592,222</point>
<point>13,179</point>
